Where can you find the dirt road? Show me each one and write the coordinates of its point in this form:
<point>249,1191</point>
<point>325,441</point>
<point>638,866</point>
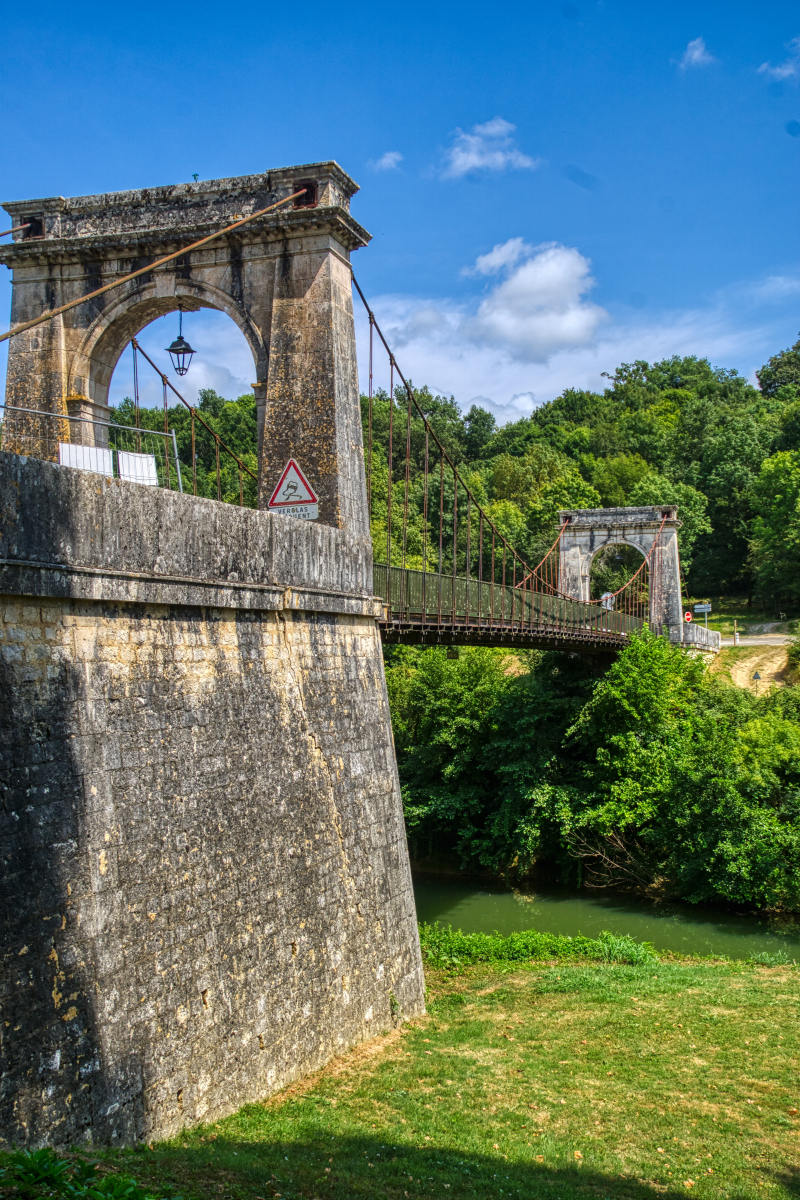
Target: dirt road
<point>741,663</point>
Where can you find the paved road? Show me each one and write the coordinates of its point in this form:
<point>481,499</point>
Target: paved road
<point>759,639</point>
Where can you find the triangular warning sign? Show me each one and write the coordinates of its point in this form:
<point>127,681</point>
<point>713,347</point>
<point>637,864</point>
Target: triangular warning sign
<point>294,495</point>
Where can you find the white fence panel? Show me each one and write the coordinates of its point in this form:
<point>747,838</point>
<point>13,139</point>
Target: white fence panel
<point>86,458</point>
<point>137,468</point>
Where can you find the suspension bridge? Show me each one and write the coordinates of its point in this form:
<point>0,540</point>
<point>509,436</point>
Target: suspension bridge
<point>443,571</point>
<point>471,586</point>
<point>210,893</point>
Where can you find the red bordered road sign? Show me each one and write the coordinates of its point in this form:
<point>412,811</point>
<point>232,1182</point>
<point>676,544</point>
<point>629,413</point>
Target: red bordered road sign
<point>687,616</point>
<point>294,495</point>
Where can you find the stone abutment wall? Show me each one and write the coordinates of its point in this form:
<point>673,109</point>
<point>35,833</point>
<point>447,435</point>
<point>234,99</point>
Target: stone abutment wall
<point>206,887</point>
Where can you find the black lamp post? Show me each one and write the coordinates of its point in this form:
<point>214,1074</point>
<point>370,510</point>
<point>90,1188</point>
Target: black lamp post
<point>180,351</point>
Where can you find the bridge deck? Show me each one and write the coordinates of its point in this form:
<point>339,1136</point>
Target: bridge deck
<point>425,607</point>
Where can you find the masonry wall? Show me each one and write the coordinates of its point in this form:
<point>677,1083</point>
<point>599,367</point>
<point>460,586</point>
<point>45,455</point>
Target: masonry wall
<point>206,890</point>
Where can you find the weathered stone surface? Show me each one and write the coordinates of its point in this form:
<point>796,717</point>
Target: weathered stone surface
<point>71,522</point>
<point>312,411</point>
<point>284,280</point>
<point>206,890</point>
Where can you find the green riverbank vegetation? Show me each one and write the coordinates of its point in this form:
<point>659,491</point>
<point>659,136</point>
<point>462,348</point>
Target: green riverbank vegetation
<point>607,1074</point>
<point>650,774</point>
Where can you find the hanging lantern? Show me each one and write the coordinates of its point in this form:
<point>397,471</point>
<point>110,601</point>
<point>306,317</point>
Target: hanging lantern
<point>180,351</point>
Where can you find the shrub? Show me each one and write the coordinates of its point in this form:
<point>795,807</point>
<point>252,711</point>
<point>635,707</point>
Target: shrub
<point>443,946</point>
<point>42,1175</point>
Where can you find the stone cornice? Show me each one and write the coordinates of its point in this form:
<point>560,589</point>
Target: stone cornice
<point>127,243</point>
<point>621,518</point>
<point>181,193</point>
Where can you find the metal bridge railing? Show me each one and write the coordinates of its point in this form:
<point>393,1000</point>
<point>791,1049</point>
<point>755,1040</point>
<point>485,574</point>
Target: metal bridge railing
<point>144,456</point>
<point>428,601</point>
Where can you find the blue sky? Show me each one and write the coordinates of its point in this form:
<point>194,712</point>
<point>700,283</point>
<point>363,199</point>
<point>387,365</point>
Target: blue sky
<point>553,188</point>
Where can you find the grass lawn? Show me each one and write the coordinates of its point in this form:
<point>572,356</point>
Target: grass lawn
<point>557,1080</point>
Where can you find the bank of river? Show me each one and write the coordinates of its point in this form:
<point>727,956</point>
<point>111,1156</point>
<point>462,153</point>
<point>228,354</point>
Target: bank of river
<point>682,928</point>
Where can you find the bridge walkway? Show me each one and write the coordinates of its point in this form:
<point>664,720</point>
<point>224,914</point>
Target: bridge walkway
<point>425,607</point>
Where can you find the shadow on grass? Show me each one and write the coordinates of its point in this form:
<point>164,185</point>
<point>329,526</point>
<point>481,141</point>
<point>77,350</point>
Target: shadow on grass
<point>788,1179</point>
<point>342,1168</point>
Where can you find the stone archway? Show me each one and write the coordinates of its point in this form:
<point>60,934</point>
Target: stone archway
<point>602,561</point>
<point>95,360</point>
<point>284,279</point>
<point>588,531</point>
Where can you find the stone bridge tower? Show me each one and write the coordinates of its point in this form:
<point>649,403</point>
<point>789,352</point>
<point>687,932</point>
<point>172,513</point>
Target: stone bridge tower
<point>284,279</point>
<point>206,882</point>
<point>650,528</point>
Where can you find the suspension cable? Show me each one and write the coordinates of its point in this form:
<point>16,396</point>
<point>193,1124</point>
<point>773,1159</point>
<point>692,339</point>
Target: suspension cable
<point>369,469</point>
<point>167,384</point>
<point>611,595</point>
<point>536,569</point>
<point>428,426</point>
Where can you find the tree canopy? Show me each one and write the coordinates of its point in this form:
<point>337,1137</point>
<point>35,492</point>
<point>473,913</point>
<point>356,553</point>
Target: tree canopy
<point>650,775</point>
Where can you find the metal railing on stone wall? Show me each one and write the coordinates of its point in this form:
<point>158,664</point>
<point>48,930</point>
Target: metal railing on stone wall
<point>144,456</point>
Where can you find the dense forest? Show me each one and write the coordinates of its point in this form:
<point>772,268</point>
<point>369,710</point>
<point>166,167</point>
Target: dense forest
<point>654,773</point>
<point>679,431</point>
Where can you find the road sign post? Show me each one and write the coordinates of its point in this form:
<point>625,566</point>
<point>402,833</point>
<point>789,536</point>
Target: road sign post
<point>703,608</point>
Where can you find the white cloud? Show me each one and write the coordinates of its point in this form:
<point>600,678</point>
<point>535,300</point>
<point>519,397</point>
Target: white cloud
<point>790,68</point>
<point>540,308</point>
<point>696,55</point>
<point>776,288</point>
<point>732,330</point>
<point>423,322</point>
<point>487,147</point>
<point>390,161</point>
<point>504,254</point>
<point>515,346</point>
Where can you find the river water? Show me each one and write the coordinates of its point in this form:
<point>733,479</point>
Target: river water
<point>683,928</point>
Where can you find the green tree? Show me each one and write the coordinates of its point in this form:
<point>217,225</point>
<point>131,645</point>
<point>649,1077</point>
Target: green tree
<point>789,438</point>
<point>727,470</point>
<point>480,426</point>
<point>614,478</point>
<point>234,421</point>
<point>775,543</point>
<point>440,719</point>
<point>780,370</point>
<point>650,773</point>
<point>569,490</point>
<point>692,509</point>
